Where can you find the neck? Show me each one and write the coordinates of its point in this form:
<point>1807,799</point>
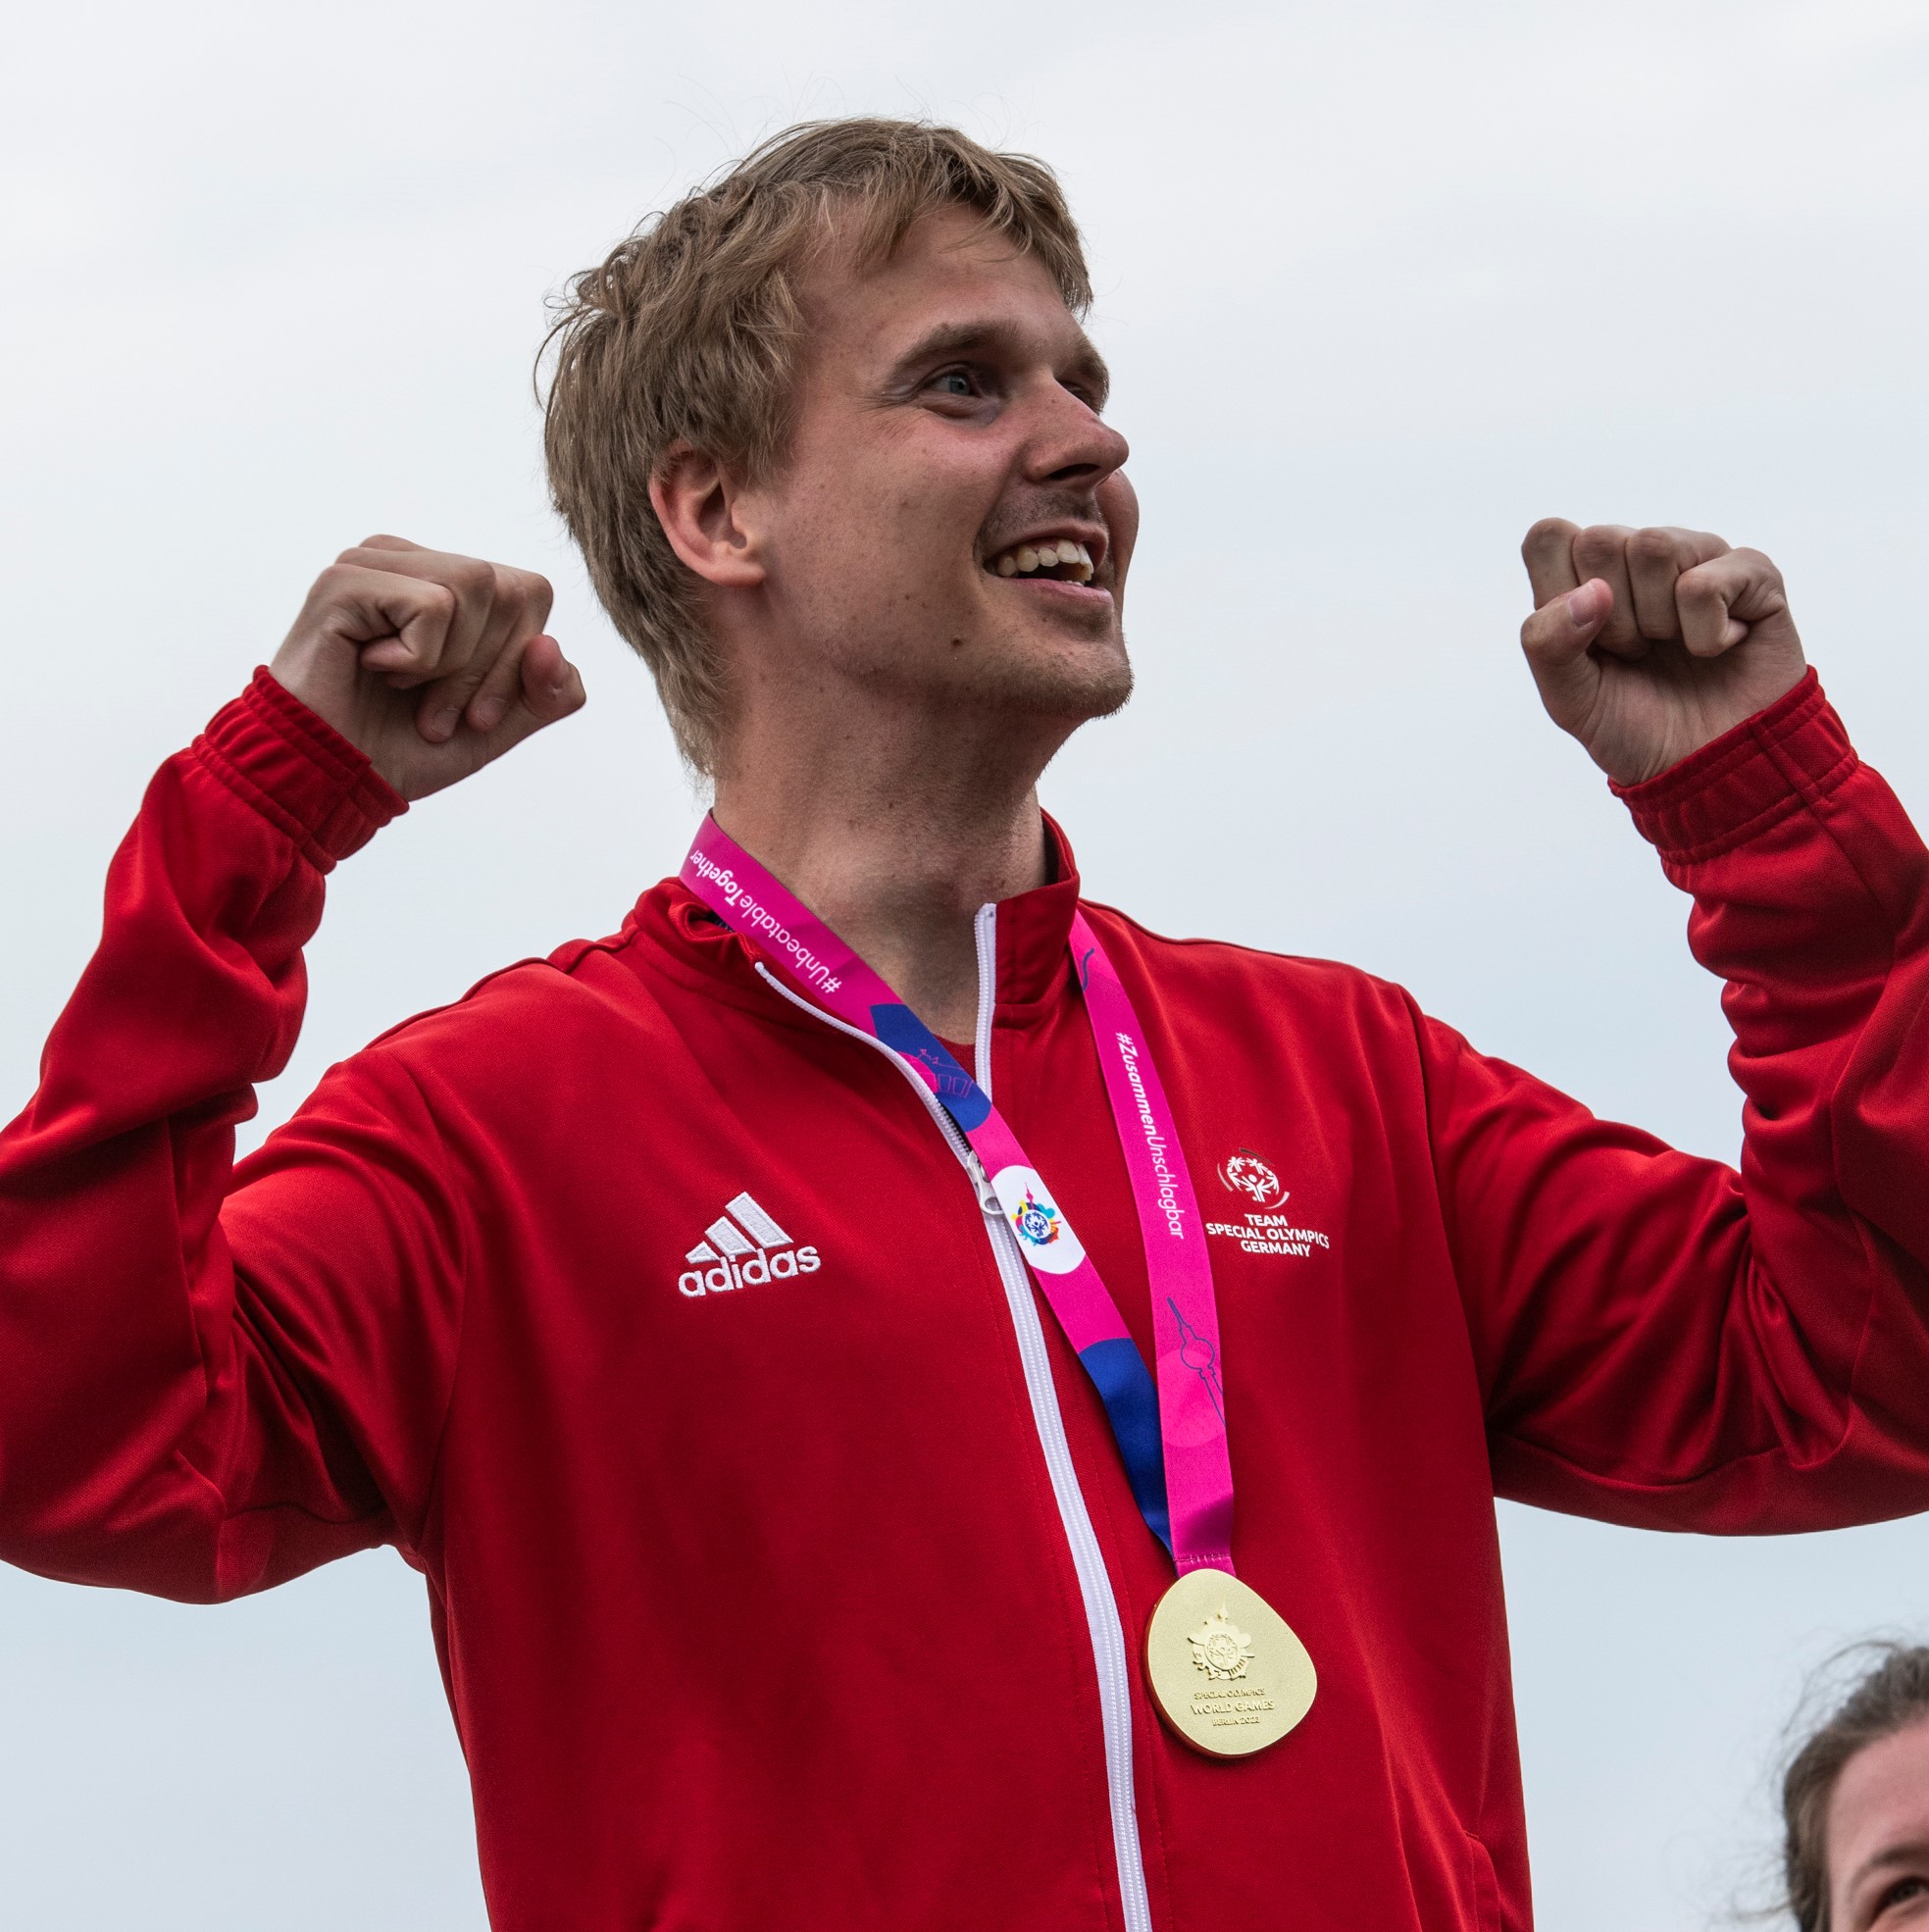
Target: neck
<point>894,839</point>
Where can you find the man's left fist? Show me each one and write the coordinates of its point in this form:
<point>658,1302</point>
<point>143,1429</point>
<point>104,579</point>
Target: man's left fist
<point>1649,643</point>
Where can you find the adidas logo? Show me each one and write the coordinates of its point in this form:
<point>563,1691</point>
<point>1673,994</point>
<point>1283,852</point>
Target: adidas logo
<point>743,1251</point>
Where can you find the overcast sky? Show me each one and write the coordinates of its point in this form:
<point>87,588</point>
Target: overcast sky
<point>1378,285</point>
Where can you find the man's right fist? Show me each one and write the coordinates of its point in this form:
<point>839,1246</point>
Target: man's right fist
<point>430,664</point>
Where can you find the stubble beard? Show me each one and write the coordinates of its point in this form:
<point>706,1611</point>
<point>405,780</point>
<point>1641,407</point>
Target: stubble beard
<point>1076,693</point>
<point>1016,682</point>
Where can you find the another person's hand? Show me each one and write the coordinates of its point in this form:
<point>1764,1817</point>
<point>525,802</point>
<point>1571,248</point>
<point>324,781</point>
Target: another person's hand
<point>430,664</point>
<point>1647,644</point>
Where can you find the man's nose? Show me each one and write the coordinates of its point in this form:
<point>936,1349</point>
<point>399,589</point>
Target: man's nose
<point>1073,443</point>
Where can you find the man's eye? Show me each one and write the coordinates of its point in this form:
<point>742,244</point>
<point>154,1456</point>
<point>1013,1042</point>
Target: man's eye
<point>954,382</point>
<point>1901,1893</point>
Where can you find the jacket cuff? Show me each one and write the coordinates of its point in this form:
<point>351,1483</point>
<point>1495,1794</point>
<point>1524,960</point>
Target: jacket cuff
<point>298,773</point>
<point>1785,758</point>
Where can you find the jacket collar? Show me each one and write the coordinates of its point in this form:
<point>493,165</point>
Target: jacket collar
<point>1033,930</point>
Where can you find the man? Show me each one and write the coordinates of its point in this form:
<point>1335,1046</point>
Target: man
<point>793,1545</point>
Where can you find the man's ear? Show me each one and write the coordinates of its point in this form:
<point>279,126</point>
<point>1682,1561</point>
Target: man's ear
<point>696,501</point>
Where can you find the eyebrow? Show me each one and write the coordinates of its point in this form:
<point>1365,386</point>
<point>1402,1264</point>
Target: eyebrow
<point>959,338</point>
<point>1913,1851</point>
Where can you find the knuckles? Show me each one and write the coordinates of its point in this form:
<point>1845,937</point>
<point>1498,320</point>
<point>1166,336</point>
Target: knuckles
<point>541,594</point>
<point>1707,578</point>
<point>1656,550</point>
<point>441,586</point>
<point>524,597</point>
<point>1759,565</point>
<point>1548,538</point>
<point>473,582</point>
<point>1600,547</point>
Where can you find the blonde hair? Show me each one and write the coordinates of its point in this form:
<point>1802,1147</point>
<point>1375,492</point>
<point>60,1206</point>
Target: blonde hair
<point>692,331</point>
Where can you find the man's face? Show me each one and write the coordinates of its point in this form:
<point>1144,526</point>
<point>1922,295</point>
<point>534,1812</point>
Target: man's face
<point>952,522</point>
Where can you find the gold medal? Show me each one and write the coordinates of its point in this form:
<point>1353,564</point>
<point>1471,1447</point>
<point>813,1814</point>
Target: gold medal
<point>1227,1672</point>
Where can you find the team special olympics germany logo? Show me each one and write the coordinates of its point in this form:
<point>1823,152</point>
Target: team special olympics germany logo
<point>1246,1174</point>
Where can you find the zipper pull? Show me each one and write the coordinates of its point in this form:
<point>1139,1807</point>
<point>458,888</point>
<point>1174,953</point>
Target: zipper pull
<point>988,1199</point>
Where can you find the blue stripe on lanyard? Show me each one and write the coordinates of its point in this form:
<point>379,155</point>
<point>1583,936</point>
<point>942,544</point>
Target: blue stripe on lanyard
<point>905,1033</point>
<point>1119,1373</point>
<point>1117,1369</point>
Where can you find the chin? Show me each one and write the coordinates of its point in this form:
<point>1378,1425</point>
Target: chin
<point>1073,685</point>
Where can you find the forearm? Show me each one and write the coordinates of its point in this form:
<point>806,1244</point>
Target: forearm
<point>1811,904</point>
<point>1665,1341</point>
<point>125,1398</point>
<point>1811,901</point>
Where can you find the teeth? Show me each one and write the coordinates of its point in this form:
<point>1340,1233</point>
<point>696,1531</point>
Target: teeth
<point>1062,554</point>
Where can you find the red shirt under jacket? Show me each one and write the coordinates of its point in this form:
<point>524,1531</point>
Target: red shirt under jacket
<point>808,1603</point>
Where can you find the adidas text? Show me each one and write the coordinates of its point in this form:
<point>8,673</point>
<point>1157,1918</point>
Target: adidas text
<point>742,1247</point>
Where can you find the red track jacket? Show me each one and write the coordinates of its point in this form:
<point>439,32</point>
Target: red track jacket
<point>812,1596</point>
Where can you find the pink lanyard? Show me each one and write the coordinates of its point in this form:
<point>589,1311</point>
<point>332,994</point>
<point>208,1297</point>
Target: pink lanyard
<point>1174,1443</point>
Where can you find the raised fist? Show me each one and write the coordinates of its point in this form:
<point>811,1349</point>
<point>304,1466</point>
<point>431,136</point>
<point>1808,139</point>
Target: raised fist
<point>1649,643</point>
<point>430,664</point>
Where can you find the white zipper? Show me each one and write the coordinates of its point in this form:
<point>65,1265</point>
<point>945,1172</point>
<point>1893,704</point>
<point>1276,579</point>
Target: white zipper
<point>1102,1609</point>
<point>984,936</point>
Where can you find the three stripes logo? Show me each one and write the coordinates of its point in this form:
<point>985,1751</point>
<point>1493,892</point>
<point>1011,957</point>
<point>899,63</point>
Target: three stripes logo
<point>743,1247</point>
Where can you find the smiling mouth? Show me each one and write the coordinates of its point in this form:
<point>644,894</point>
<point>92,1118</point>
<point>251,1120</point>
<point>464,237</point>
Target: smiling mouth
<point>1063,561</point>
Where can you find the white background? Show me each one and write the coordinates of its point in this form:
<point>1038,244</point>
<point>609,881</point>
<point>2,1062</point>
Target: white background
<point>1380,285</point>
